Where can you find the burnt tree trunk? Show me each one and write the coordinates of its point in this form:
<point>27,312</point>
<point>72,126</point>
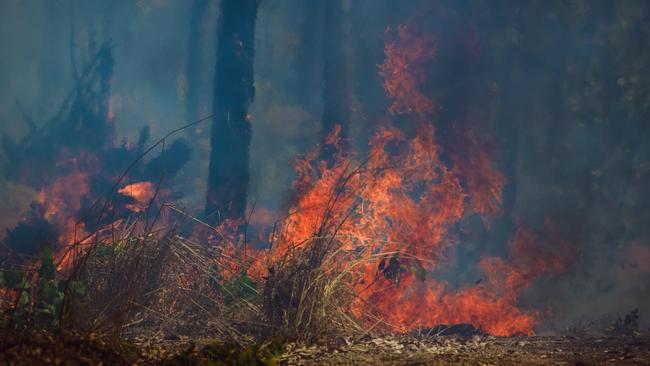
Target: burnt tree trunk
<point>231,130</point>
<point>336,109</point>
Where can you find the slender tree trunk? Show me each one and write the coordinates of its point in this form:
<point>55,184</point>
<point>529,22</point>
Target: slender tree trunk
<point>231,130</point>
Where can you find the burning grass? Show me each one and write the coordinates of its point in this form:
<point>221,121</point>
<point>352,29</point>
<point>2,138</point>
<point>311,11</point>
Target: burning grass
<point>146,279</point>
<point>356,252</point>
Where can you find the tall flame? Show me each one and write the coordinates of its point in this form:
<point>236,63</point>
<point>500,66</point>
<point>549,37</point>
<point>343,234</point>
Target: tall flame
<point>397,211</point>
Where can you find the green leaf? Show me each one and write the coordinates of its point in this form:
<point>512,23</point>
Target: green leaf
<point>104,251</point>
<point>77,287</point>
<point>14,280</point>
<point>47,269</point>
<point>50,294</point>
<point>24,300</point>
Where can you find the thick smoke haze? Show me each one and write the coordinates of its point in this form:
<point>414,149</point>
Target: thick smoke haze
<point>558,90</point>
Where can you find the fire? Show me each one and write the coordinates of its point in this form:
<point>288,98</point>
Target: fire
<point>482,178</point>
<point>403,71</point>
<point>394,215</point>
<point>63,197</point>
<point>61,202</point>
<point>141,193</point>
<point>402,209</point>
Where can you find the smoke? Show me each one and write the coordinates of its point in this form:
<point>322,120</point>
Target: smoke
<point>559,90</point>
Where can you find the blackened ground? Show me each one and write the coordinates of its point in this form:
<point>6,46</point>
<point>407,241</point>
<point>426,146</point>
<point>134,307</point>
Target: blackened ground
<point>40,348</point>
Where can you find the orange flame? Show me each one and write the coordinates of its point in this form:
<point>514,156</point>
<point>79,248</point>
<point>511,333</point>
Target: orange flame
<point>394,214</point>
<point>403,71</point>
<point>62,202</point>
<point>63,197</point>
<point>141,192</point>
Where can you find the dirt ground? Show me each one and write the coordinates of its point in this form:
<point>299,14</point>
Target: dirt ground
<point>43,349</point>
<point>478,350</point>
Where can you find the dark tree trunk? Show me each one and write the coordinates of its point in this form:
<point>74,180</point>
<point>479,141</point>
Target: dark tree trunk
<point>336,109</point>
<point>231,129</point>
